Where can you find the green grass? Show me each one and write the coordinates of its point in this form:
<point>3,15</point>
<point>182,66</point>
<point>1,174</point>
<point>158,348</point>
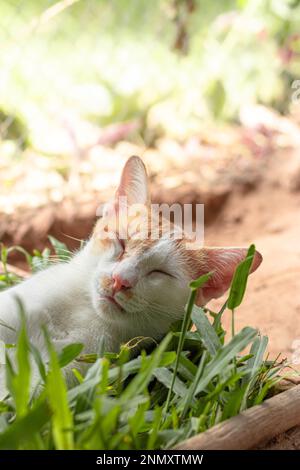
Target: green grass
<point>189,382</point>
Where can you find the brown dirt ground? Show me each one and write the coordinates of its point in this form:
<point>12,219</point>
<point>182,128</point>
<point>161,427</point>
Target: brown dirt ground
<point>289,440</point>
<point>269,218</point>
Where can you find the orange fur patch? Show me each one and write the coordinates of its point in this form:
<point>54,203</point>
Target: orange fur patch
<point>106,282</point>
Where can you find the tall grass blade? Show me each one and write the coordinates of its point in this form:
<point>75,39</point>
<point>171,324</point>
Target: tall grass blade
<point>239,281</point>
<point>205,330</point>
<point>56,389</point>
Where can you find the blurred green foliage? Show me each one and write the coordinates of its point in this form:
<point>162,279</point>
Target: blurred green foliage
<point>169,64</point>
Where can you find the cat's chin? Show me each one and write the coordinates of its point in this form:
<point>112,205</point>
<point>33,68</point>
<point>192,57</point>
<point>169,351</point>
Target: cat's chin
<point>108,308</point>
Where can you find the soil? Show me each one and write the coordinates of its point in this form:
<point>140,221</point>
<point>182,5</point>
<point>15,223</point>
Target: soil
<point>270,219</point>
<point>290,440</point>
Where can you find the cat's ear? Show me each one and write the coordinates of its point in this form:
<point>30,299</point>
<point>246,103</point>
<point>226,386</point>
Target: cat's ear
<point>134,183</point>
<point>222,262</point>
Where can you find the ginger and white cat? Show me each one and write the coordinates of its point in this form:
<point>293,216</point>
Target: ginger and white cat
<point>119,289</point>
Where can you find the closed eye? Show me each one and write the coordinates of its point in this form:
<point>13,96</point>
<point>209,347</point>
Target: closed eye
<point>159,271</point>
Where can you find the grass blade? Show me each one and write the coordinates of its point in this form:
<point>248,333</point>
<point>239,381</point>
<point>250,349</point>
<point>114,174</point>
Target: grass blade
<point>22,430</point>
<point>206,331</point>
<point>191,392</point>
<point>56,389</point>
<point>165,376</point>
<point>225,355</point>
<point>239,281</point>
<point>194,285</point>
<point>69,353</point>
<point>142,379</point>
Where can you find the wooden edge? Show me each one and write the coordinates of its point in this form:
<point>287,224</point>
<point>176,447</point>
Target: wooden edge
<point>251,427</point>
<point>15,270</point>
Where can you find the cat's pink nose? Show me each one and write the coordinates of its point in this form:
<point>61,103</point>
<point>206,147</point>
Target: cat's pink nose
<point>119,283</point>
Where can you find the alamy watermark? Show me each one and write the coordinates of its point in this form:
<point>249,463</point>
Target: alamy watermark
<point>296,94</point>
<point>143,222</point>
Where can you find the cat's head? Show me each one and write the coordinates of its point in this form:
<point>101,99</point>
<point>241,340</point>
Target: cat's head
<point>143,280</point>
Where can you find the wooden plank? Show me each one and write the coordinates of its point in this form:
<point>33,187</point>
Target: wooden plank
<point>251,427</point>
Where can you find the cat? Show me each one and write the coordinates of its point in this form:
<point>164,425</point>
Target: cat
<point>117,288</point>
